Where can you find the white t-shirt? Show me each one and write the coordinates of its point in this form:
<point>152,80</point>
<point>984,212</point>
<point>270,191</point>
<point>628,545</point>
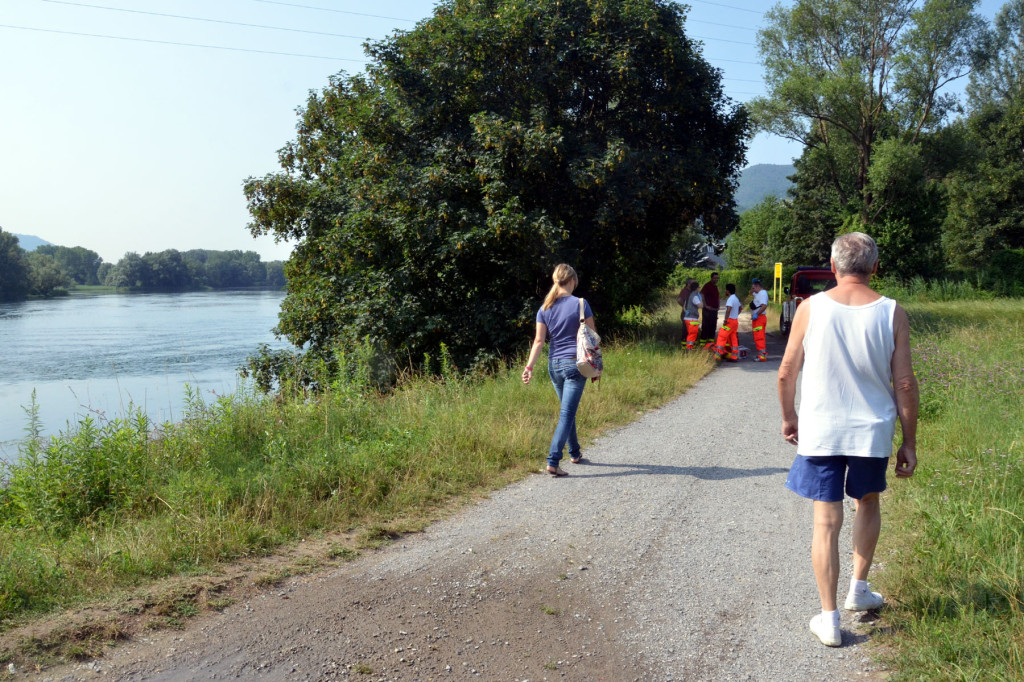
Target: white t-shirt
<point>847,401</point>
<point>693,309</point>
<point>760,298</point>
<point>732,307</point>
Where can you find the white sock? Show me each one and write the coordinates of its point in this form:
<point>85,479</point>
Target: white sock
<point>858,586</point>
<point>830,617</point>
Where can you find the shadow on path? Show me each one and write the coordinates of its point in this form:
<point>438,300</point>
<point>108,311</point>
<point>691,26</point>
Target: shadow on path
<point>704,473</point>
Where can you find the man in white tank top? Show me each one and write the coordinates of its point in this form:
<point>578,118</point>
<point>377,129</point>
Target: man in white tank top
<point>853,346</point>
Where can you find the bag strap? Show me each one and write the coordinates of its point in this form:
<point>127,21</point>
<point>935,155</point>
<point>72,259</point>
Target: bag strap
<point>581,311</point>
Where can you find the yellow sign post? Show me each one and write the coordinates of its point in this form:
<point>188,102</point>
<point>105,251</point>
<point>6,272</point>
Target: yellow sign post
<point>777,284</point>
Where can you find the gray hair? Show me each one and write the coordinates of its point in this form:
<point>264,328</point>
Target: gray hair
<point>854,253</point>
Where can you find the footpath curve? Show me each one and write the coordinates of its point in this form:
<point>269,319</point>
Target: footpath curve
<point>674,554</point>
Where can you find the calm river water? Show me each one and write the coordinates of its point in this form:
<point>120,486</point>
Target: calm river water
<point>96,354</point>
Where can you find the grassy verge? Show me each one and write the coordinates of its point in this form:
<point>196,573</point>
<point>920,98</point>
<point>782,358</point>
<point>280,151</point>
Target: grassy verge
<point>109,506</point>
<point>953,547</point>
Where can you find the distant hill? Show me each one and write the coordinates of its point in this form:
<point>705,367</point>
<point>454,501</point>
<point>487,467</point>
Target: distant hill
<point>29,242</point>
<point>761,180</point>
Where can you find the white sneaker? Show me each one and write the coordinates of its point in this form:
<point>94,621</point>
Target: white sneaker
<point>828,634</point>
<point>863,602</point>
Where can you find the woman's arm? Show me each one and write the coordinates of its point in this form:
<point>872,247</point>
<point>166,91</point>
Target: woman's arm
<point>538,343</point>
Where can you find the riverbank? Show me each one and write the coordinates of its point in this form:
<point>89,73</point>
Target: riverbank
<point>239,477</point>
<point>667,556</point>
<point>949,560</point>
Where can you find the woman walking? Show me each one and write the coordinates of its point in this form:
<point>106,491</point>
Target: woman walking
<point>558,320</point>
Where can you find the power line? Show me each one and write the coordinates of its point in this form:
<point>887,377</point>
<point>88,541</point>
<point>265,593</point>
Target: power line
<point>180,44</point>
<point>734,61</point>
<point>724,40</point>
<point>715,23</point>
<point>329,9</point>
<point>719,4</point>
<point>212,21</point>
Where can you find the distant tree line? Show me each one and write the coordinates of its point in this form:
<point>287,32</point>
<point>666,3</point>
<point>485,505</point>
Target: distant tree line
<point>52,270</point>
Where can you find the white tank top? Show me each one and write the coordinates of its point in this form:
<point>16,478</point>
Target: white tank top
<point>847,403</point>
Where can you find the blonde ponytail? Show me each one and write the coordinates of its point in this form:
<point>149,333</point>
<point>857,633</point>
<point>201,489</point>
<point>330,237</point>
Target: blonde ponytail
<point>561,277</point>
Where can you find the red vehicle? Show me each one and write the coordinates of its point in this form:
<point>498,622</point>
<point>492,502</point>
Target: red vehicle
<point>807,281</point>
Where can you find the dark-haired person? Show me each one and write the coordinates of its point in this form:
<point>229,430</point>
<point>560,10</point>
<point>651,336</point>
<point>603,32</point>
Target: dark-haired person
<point>558,320</point>
<point>709,321</point>
<point>728,336</point>
<point>852,346</point>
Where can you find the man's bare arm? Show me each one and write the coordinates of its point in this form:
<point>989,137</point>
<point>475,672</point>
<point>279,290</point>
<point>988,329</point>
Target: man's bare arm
<point>907,397</point>
<point>789,369</point>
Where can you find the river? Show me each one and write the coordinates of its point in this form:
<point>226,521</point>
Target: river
<point>97,354</point>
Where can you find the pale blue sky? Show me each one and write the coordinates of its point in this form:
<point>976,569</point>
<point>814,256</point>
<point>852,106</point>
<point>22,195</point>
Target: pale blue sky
<point>140,140</point>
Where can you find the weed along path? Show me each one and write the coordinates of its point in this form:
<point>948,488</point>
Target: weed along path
<point>675,553</point>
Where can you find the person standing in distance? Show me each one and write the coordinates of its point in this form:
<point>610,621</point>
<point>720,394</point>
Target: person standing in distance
<point>558,320</point>
<point>759,320</point>
<point>709,321</point>
<point>729,334</point>
<point>692,302</point>
<point>853,346</point>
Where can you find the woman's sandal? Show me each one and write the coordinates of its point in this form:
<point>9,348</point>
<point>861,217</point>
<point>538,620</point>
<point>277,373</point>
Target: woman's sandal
<point>555,471</point>
<point>576,460</point>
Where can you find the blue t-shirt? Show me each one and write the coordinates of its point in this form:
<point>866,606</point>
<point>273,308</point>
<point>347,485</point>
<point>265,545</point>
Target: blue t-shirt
<point>563,321</point>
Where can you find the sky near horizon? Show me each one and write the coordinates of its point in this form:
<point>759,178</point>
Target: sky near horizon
<point>130,125</point>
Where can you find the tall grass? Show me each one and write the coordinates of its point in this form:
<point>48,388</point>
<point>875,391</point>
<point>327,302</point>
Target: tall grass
<point>921,290</point>
<point>953,548</point>
<point>114,505</point>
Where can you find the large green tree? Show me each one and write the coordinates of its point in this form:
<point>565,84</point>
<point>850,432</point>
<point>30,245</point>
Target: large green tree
<point>986,209</point>
<point>14,282</point>
<point>849,74</point>
<point>999,75</point>
<point>81,264</point>
<point>45,275</point>
<point>986,199</point>
<point>431,196</point>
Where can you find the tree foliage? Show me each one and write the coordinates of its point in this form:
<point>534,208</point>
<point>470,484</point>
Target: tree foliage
<point>45,276</point>
<point>80,264</point>
<point>431,196</point>
<point>999,75</point>
<point>848,74</point>
<point>986,211</point>
<point>172,270</point>
<point>13,268</point>
<point>761,237</point>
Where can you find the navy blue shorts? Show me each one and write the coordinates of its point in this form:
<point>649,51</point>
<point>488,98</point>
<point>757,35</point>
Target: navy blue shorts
<point>824,478</point>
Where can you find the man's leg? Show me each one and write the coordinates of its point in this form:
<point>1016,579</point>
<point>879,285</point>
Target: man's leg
<point>828,520</point>
<point>867,523</point>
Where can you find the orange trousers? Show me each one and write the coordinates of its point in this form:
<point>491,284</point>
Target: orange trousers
<point>692,332</point>
<point>728,336</point>
<point>758,324</point>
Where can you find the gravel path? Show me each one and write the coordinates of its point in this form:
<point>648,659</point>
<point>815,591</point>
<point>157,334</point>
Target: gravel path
<point>674,554</point>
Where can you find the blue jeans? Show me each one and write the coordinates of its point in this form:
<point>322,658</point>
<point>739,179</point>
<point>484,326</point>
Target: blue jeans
<point>569,385</point>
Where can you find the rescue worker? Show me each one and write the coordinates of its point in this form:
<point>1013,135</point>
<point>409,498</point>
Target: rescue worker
<point>709,323</point>
<point>728,335</point>
<point>692,303</point>
<point>758,319</point>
